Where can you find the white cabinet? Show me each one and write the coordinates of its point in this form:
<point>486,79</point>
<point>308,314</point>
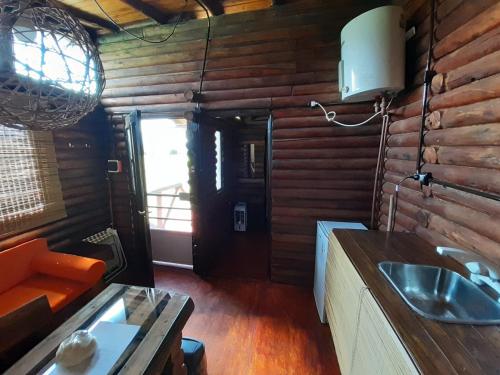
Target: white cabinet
<point>323,230</point>
<point>364,339</point>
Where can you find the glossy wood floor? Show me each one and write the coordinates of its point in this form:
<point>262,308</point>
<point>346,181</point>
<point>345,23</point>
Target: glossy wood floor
<point>254,327</point>
<point>246,256</point>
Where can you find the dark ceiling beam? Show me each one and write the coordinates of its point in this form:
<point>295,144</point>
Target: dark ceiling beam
<point>88,17</point>
<point>214,7</point>
<point>149,10</point>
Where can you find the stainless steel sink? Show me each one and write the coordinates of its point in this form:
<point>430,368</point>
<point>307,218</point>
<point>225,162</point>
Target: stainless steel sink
<point>440,294</point>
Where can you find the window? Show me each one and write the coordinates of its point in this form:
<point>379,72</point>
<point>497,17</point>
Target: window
<point>218,160</point>
<point>30,190</point>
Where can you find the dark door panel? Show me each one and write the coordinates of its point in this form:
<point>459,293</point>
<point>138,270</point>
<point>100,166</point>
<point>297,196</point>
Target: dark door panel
<point>142,261</point>
<point>208,148</point>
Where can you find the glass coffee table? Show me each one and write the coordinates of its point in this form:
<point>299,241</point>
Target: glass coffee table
<point>138,330</point>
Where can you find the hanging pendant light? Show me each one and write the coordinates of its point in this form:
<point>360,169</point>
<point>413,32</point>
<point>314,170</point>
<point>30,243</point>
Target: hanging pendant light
<point>50,71</point>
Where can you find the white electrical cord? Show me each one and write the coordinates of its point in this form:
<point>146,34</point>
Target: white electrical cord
<point>330,116</point>
<point>392,222</point>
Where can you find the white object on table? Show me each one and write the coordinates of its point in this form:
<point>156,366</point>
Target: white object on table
<point>78,347</point>
<point>112,340</point>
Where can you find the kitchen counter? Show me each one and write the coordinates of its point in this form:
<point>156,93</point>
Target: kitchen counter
<point>435,347</point>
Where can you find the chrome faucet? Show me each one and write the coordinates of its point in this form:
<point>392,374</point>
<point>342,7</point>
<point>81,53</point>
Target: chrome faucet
<point>481,270</point>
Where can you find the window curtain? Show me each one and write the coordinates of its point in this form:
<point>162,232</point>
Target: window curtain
<point>30,189</point>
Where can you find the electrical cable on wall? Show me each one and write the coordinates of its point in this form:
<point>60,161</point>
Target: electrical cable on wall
<point>427,178</point>
<point>383,111</point>
<point>393,204</point>
<point>138,36</point>
<point>425,95</point>
<point>207,42</point>
<point>330,116</point>
<point>423,178</point>
<point>380,158</point>
<point>372,64</point>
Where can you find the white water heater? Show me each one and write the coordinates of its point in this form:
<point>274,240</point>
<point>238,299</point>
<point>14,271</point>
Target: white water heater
<point>373,55</point>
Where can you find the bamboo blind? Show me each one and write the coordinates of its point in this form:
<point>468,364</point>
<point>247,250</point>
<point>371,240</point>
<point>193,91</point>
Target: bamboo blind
<point>30,190</point>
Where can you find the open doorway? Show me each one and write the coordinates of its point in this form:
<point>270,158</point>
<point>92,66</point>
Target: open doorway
<point>192,175</point>
<point>246,252</point>
<point>168,191</point>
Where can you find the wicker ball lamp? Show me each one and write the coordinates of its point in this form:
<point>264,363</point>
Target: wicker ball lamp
<point>50,71</point>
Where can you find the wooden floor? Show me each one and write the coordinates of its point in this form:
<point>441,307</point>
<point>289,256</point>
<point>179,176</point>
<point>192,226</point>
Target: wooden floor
<point>254,327</point>
<point>246,256</point>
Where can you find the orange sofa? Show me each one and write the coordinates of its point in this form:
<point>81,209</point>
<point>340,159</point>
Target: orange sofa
<point>31,270</point>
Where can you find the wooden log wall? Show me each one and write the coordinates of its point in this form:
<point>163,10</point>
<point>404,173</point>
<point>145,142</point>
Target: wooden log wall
<point>319,172</point>
<point>81,156</point>
<point>462,139</point>
<point>268,61</point>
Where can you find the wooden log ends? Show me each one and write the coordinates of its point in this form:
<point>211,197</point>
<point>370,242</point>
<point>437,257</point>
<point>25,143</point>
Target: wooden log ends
<point>190,116</point>
<point>192,96</point>
<point>477,91</point>
<point>422,217</point>
<point>484,67</point>
<point>427,122</point>
<point>438,83</point>
<point>433,121</point>
<point>430,155</point>
<point>427,191</point>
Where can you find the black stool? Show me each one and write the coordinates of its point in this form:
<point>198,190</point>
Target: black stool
<point>194,356</point>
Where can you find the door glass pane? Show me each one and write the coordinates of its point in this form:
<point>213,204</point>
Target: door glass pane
<point>167,175</point>
<point>218,160</point>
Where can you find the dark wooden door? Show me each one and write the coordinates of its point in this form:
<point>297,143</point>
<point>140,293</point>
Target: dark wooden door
<point>208,150</point>
<point>142,264</point>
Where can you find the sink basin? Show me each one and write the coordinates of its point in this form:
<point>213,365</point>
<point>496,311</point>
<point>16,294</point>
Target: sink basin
<point>441,294</point>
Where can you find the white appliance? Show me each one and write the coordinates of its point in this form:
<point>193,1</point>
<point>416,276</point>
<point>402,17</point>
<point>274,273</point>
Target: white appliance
<point>240,217</point>
<point>373,55</point>
<point>323,230</point>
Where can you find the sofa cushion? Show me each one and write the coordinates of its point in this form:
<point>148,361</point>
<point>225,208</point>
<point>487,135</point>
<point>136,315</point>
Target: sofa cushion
<point>67,266</point>
<point>15,262</point>
<point>59,292</point>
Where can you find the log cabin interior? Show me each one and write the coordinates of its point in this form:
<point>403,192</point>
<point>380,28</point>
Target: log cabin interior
<point>250,187</point>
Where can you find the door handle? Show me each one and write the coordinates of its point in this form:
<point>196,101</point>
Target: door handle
<point>142,213</point>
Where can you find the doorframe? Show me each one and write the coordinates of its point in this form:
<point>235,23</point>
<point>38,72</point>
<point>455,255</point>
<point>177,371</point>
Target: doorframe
<point>194,118</point>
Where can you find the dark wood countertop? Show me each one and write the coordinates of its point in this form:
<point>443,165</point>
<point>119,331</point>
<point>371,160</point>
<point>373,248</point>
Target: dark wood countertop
<point>436,348</point>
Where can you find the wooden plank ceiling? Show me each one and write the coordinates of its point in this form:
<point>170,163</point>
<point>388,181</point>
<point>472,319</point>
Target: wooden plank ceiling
<point>138,12</point>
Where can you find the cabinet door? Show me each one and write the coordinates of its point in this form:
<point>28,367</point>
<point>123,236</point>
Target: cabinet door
<point>378,350</point>
<point>319,272</point>
<point>343,289</point>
